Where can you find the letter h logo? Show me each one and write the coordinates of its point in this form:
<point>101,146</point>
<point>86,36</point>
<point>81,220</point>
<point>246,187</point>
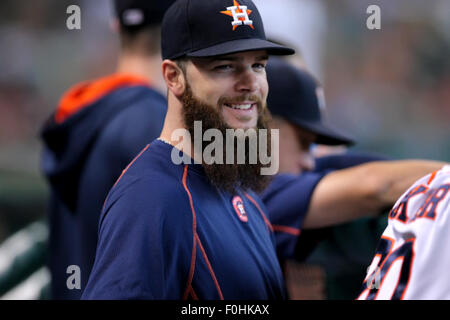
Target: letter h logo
<point>240,15</point>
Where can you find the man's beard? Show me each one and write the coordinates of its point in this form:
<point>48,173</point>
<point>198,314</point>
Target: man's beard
<point>228,177</point>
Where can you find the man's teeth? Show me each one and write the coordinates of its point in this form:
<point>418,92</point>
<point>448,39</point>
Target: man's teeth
<point>241,106</point>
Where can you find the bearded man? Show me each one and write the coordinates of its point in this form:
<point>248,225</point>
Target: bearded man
<point>196,230</point>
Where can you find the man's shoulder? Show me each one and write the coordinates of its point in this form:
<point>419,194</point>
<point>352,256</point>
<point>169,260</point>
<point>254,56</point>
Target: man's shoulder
<point>151,182</point>
<point>150,197</point>
<point>151,171</point>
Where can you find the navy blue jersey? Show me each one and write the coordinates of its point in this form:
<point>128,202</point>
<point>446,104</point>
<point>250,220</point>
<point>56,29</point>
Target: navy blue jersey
<point>87,145</point>
<point>287,200</point>
<point>166,233</point>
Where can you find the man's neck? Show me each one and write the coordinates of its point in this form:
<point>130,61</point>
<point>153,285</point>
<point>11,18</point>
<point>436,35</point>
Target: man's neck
<point>147,67</point>
<point>173,129</point>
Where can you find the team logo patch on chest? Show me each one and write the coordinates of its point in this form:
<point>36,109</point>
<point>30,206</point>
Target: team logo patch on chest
<point>238,206</point>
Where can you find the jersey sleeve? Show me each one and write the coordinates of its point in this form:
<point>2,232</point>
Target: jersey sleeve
<point>142,244</point>
<point>287,201</point>
<point>346,160</point>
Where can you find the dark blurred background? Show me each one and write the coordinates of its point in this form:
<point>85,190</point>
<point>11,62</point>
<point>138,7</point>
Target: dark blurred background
<point>389,88</point>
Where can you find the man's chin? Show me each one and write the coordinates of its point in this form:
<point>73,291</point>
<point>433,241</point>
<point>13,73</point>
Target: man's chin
<point>229,177</point>
<point>243,126</point>
<point>243,123</point>
<point>238,121</point>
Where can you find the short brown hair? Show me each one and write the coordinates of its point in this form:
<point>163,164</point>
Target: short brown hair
<point>182,64</point>
<point>145,41</point>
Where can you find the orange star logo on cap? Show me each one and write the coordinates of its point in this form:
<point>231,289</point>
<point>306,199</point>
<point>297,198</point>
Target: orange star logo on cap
<point>240,15</point>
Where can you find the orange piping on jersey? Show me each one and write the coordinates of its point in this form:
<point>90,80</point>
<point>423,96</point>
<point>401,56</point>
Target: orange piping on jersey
<point>193,295</point>
<point>87,92</point>
<point>129,165</point>
<point>286,229</point>
<point>196,241</point>
<point>208,264</point>
<point>269,225</point>
<point>194,231</point>
<point>433,175</point>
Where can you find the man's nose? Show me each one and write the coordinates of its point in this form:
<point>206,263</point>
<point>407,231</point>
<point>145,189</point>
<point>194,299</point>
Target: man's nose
<point>247,82</point>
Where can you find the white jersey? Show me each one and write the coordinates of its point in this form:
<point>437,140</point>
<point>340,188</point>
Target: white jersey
<point>412,260</point>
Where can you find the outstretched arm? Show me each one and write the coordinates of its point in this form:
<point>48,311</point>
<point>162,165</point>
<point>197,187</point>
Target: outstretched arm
<point>348,194</point>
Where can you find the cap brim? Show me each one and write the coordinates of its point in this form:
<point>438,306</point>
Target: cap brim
<point>241,45</point>
<point>326,134</point>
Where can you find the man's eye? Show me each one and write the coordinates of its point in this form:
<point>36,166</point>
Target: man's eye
<point>259,66</point>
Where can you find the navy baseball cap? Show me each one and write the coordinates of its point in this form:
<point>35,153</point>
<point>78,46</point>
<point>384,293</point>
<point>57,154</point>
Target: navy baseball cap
<point>205,28</point>
<point>296,96</point>
<point>135,14</point>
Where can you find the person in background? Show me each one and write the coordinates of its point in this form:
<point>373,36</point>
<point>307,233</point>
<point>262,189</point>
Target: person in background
<point>345,187</point>
<point>98,127</point>
<point>410,261</point>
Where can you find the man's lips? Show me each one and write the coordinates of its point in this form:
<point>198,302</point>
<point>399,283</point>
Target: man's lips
<point>241,106</point>
<point>242,112</point>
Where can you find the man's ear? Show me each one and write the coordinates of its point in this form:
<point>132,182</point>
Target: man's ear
<point>174,77</point>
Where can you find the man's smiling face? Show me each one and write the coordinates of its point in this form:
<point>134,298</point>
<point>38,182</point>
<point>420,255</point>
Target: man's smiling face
<point>235,85</point>
<point>228,92</point>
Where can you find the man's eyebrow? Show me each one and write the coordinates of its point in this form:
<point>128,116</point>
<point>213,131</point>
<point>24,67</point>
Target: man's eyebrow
<point>224,58</point>
<point>264,57</point>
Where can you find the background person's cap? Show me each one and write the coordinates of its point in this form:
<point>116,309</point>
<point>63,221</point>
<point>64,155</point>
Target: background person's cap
<point>135,14</point>
<point>296,96</point>
<point>204,28</point>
